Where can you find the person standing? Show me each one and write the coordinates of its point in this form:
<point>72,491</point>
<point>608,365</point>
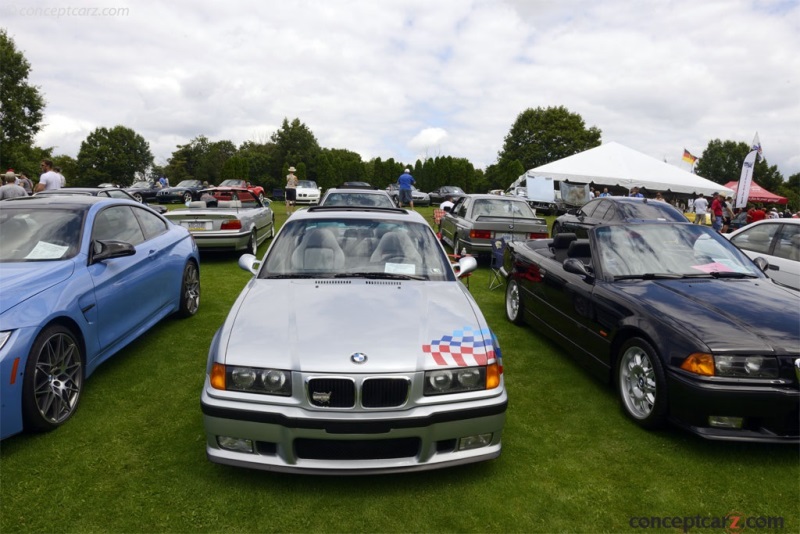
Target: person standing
<point>10,189</point>
<point>700,209</point>
<point>635,193</point>
<point>727,215</point>
<point>404,183</point>
<point>25,183</point>
<point>716,213</point>
<point>605,193</point>
<point>290,193</point>
<point>49,178</point>
<point>57,170</point>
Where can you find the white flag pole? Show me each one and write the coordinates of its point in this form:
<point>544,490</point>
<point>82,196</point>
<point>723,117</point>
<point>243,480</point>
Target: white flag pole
<point>746,179</point>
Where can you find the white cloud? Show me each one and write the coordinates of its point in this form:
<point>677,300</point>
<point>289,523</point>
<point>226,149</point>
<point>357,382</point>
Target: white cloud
<point>395,78</point>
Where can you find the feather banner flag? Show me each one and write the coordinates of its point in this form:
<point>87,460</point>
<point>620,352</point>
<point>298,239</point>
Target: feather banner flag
<point>757,146</point>
<point>745,180</point>
<point>688,158</point>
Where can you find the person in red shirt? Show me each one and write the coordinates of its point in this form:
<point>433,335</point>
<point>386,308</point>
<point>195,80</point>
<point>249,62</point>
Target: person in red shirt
<point>759,214</point>
<point>716,212</point>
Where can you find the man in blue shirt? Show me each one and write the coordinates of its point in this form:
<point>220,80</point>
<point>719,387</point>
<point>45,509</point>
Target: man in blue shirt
<point>635,193</point>
<point>404,189</point>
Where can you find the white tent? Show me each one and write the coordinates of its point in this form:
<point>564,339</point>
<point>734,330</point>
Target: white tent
<point>613,164</point>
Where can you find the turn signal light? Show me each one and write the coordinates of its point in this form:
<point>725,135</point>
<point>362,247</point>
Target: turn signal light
<point>218,376</point>
<point>480,234</point>
<point>493,375</point>
<point>699,363</point>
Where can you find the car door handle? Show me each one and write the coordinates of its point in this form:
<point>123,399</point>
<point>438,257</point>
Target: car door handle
<point>773,267</point>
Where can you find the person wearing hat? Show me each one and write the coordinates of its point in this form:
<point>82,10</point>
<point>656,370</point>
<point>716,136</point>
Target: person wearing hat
<point>404,183</point>
<point>291,190</point>
<point>10,189</point>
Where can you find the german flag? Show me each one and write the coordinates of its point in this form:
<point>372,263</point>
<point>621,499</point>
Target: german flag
<point>688,158</point>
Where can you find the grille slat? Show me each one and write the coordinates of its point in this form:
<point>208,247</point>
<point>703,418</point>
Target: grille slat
<point>332,392</point>
<point>384,392</point>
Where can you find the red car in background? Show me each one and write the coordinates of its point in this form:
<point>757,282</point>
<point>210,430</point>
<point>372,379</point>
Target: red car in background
<point>257,190</point>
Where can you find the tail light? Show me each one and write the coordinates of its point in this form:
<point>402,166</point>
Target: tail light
<point>480,234</point>
<point>232,224</point>
<point>539,235</point>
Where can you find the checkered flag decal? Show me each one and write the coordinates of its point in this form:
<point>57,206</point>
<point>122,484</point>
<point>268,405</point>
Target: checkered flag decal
<point>463,348</point>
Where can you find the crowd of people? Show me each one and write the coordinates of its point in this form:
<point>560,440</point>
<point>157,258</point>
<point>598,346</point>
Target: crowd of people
<point>19,185</point>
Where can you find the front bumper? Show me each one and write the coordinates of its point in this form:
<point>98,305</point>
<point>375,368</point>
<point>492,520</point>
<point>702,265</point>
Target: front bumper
<point>295,439</point>
<point>770,412</point>
<point>307,198</point>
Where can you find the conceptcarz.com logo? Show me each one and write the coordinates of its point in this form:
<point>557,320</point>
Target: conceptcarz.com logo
<point>733,522</point>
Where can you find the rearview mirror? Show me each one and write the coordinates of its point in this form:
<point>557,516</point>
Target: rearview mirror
<point>249,263</point>
<point>762,263</point>
<point>106,250</point>
<point>466,265</point>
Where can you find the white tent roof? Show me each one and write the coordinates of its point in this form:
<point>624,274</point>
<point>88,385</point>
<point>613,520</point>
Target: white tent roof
<point>615,164</point>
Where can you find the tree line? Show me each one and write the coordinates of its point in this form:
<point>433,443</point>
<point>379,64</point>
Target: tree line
<point>120,155</point>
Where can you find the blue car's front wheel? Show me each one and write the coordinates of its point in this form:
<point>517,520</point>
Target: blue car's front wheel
<point>53,379</point>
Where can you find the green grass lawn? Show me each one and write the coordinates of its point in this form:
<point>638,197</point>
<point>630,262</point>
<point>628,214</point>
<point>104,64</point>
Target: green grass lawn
<point>132,459</point>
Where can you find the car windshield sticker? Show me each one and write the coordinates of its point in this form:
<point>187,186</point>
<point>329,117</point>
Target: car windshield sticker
<point>463,348</point>
<point>46,251</point>
<point>400,268</point>
<point>713,267</point>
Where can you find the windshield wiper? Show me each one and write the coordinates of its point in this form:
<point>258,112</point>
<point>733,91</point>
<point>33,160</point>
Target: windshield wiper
<point>649,276</point>
<point>381,276</point>
<point>291,275</point>
<point>731,274</point>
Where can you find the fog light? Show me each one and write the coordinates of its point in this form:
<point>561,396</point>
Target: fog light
<point>474,442</point>
<point>720,421</point>
<point>235,444</point>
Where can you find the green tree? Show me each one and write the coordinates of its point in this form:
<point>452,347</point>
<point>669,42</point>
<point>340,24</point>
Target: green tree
<point>721,162</point>
<point>21,109</point>
<point>791,190</point>
<point>117,155</point>
<point>540,136</point>
<point>294,143</point>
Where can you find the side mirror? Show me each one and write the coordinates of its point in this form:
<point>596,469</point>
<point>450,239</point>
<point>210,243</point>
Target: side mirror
<point>762,263</point>
<point>250,263</point>
<point>466,265</point>
<point>106,250</point>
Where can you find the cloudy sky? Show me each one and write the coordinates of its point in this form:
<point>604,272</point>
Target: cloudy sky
<point>410,78</point>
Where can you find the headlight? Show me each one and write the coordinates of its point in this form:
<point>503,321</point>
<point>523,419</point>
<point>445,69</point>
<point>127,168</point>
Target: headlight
<point>732,366</point>
<point>746,366</point>
<point>444,381</point>
<point>4,337</point>
<point>252,380</point>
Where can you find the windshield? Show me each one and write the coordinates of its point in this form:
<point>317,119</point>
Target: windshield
<point>357,248</point>
<point>40,234</point>
<point>502,208</point>
<point>188,183</point>
<point>142,185</point>
<point>233,183</point>
<point>669,249</point>
<point>308,184</point>
<point>358,199</point>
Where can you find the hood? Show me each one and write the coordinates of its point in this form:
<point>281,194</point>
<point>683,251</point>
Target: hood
<point>316,325</point>
<point>726,314</point>
<point>21,281</point>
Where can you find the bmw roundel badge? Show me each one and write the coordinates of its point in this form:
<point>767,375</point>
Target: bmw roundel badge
<point>358,357</point>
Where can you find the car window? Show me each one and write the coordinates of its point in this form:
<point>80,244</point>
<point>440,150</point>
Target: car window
<point>152,224</point>
<point>118,193</point>
<point>117,223</point>
<point>649,211</point>
<point>589,208</point>
<point>788,244</point>
<point>756,238</point>
<point>605,211</point>
<point>39,235</point>
<point>356,247</point>
<point>500,208</point>
<point>460,209</point>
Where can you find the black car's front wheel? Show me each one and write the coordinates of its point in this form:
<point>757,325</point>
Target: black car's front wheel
<point>138,197</point>
<point>53,379</point>
<point>513,303</point>
<point>187,197</point>
<point>641,384</point>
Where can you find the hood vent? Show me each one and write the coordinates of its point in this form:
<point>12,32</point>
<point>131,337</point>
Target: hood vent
<point>383,283</point>
<point>331,282</point>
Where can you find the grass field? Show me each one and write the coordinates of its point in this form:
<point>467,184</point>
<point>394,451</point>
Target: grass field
<point>132,459</point>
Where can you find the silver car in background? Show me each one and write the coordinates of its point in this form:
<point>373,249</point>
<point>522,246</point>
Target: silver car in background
<point>227,218</point>
<point>354,350</point>
<point>364,198</point>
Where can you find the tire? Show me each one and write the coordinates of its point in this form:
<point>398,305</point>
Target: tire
<point>641,384</point>
<point>456,245</point>
<point>261,197</point>
<point>187,197</point>
<point>190,290</point>
<point>271,229</point>
<point>514,309</point>
<point>53,379</point>
<point>252,244</point>
<point>138,197</point>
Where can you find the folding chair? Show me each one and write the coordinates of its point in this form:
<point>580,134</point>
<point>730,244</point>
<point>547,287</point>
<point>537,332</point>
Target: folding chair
<point>498,275</point>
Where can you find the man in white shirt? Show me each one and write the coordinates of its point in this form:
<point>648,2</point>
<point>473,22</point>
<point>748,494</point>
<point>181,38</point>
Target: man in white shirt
<point>49,179</point>
<point>700,209</point>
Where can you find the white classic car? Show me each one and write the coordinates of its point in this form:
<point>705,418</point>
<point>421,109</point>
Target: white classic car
<point>371,356</point>
<point>227,218</point>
